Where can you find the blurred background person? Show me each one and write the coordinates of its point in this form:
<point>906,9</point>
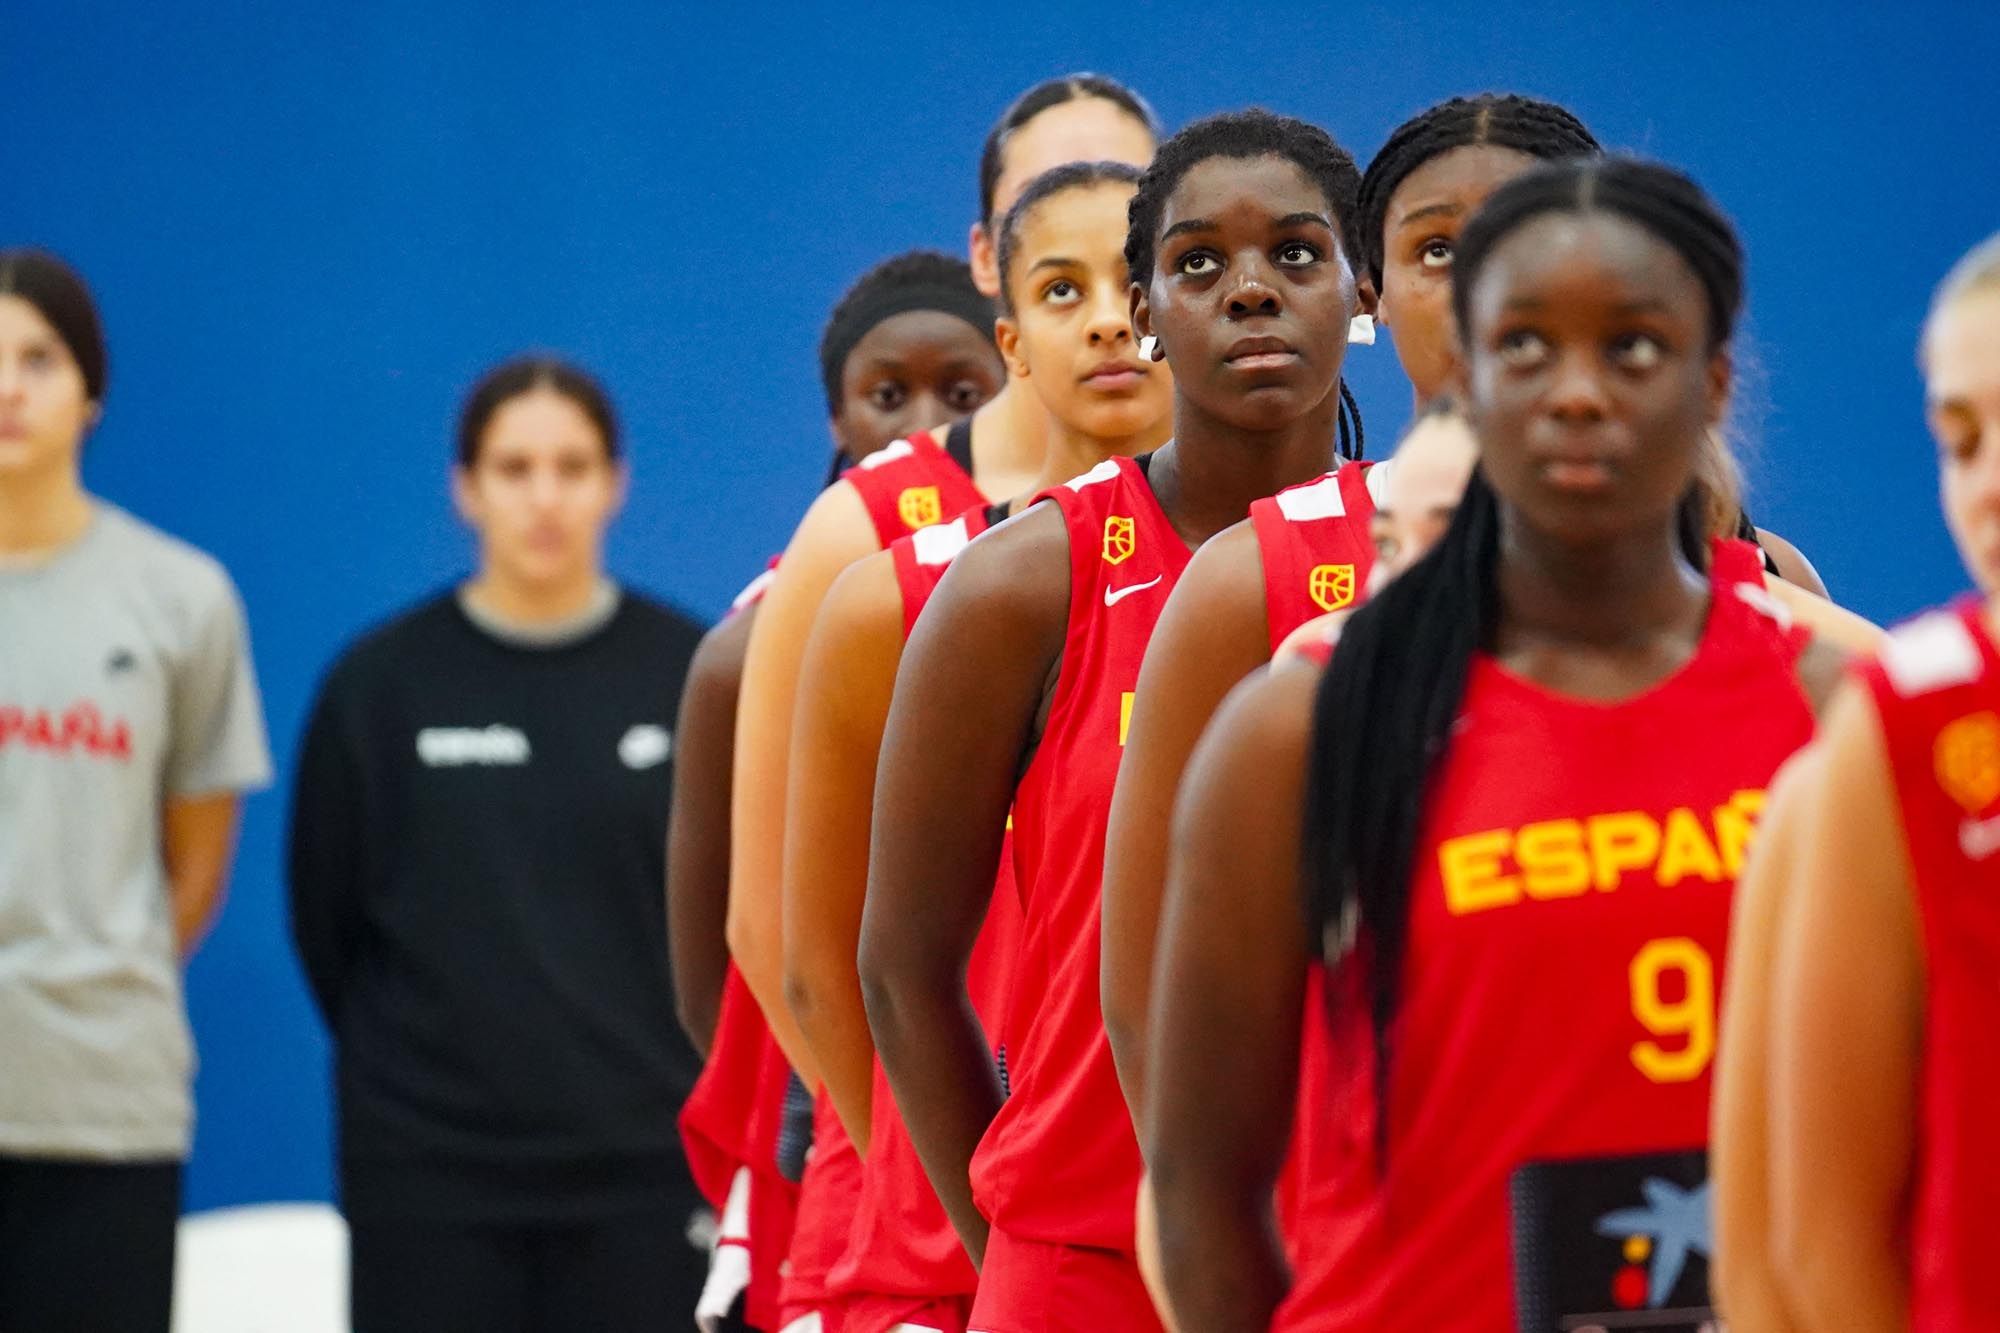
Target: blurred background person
<point>477,846</point>
<point>130,727</point>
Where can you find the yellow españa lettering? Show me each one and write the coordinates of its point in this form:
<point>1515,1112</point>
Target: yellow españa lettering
<point>1563,858</point>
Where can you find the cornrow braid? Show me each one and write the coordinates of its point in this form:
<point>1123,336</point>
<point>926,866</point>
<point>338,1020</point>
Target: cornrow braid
<point>1504,120</point>
<point>1391,695</point>
<point>1250,134</point>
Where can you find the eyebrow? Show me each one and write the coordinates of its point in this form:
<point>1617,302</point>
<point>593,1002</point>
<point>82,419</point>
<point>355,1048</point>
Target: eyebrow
<point>1443,210</point>
<point>1645,306</point>
<point>1054,261</point>
<point>1190,224</point>
<point>1302,219</point>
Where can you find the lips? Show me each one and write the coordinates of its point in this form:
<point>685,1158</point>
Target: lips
<point>1260,353</point>
<point>1120,374</point>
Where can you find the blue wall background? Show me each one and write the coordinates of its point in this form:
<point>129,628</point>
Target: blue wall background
<point>311,225</point>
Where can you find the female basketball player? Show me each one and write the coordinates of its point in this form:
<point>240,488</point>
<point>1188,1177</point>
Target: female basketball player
<point>910,344</point>
<point>129,729</point>
<point>1883,1177</point>
<point>476,858</point>
<point>1067,334</point>
<point>1078,118</point>
<point>1013,694</point>
<point>1253,585</point>
<point>1519,796</point>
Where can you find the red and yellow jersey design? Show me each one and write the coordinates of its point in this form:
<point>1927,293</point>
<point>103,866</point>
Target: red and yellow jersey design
<point>1936,687</point>
<point>1316,546</point>
<point>1060,1163</point>
<point>1568,932</point>
<point>911,484</point>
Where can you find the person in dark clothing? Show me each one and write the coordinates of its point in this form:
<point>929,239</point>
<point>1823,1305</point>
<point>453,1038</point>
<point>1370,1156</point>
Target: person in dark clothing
<point>477,839</point>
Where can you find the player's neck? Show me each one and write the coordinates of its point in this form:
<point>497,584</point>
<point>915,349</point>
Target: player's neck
<point>1072,453</point>
<point>1208,476</point>
<point>1008,440</point>
<point>531,602</point>
<point>42,511</point>
<point>1607,595</point>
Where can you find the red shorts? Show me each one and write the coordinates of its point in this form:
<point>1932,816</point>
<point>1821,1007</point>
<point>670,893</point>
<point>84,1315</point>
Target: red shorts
<point>907,1314</point>
<point>828,1315</point>
<point>1030,1286</point>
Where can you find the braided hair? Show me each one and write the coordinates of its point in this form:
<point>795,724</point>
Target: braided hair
<point>1503,120</point>
<point>1250,134</point>
<point>1391,694</point>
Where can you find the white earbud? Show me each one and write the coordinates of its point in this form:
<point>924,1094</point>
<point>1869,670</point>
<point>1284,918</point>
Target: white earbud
<point>1361,329</point>
<point>1149,348</point>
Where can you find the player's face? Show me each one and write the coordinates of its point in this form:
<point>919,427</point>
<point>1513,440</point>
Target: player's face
<point>44,408</point>
<point>1070,335</point>
<point>912,371</point>
<point>1591,378</point>
<point>1088,129</point>
<point>1962,389</point>
<point>1251,291</point>
<point>542,490</point>
<point>1422,494</point>
<point>1419,235</point>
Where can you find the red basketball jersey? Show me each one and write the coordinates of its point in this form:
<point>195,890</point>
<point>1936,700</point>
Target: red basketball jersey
<point>1060,1163</point>
<point>1316,547</point>
<point>912,484</point>
<point>902,1242</point>
<point>1549,1081</point>
<point>1936,686</point>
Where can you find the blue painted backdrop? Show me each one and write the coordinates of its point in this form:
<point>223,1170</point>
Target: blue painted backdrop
<point>311,225</point>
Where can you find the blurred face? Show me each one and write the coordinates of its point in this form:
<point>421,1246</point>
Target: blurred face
<point>1421,494</point>
<point>912,371</point>
<point>1591,379</point>
<point>1070,335</point>
<point>1251,293</point>
<point>1419,235</point>
<point>542,491</point>
<point>1962,392</point>
<point>1088,129</point>
<point>44,409</point>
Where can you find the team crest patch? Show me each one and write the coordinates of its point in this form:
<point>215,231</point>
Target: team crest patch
<point>1331,586</point>
<point>919,507</point>
<point>1121,539</point>
<point>1967,759</point>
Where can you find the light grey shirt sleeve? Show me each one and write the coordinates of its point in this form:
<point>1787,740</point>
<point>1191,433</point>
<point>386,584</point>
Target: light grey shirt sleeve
<point>216,732</point>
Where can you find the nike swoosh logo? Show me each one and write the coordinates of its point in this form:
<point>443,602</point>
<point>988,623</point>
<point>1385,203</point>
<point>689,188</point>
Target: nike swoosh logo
<point>1113,596</point>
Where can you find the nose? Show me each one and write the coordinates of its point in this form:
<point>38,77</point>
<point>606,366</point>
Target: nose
<point>1110,320</point>
<point>1254,290</point>
<point>1577,391</point>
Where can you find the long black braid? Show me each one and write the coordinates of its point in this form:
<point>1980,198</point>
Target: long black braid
<point>1391,695</point>
<point>1251,134</point>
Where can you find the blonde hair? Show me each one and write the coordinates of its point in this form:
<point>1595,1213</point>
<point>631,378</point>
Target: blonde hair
<point>1978,271</point>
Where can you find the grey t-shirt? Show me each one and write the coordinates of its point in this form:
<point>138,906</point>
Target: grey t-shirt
<point>125,681</point>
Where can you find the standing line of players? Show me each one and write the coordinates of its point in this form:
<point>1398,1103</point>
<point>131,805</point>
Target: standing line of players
<point>1401,960</point>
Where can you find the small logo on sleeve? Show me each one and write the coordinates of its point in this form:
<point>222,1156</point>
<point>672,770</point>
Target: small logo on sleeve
<point>1966,756</point>
<point>496,746</point>
<point>1331,586</point>
<point>1121,539</point>
<point>121,662</point>
<point>646,746</point>
<point>920,506</point>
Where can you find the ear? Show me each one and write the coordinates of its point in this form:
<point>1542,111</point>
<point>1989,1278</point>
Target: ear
<point>465,496</point>
<point>1457,380</point>
<point>1721,379</point>
<point>621,486</point>
<point>1142,321</point>
<point>985,261</point>
<point>1007,336</point>
<point>1366,300</point>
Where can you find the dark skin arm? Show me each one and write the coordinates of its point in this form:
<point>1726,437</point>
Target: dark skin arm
<point>1227,1007</point>
<point>1213,632</point>
<point>698,827</point>
<point>965,710</point>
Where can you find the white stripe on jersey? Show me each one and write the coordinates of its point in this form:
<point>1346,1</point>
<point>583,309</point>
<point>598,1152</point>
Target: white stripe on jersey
<point>1931,652</point>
